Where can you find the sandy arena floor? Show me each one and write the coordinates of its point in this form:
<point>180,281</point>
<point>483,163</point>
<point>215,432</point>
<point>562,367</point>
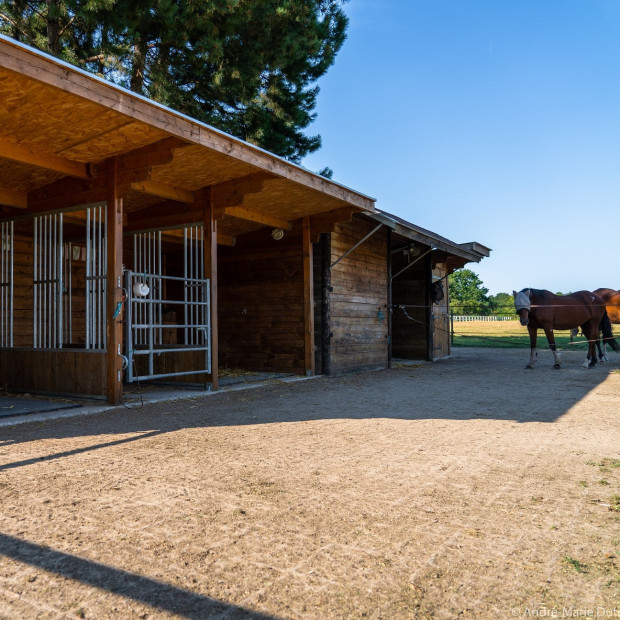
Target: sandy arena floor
<point>470,487</point>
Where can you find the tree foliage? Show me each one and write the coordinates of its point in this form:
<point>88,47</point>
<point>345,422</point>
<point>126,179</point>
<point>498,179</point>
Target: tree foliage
<point>247,67</point>
<point>467,293</point>
<point>502,303</point>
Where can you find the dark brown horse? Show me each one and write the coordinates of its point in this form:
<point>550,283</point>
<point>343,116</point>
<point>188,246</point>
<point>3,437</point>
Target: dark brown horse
<point>539,309</point>
<point>611,298</point>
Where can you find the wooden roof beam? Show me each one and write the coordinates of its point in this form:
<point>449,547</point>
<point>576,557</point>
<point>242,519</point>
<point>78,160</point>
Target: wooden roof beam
<point>164,190</point>
<point>232,193</point>
<point>26,155</point>
<point>176,235</point>
<point>163,216</point>
<point>11,198</point>
<point>258,217</point>
<point>156,154</point>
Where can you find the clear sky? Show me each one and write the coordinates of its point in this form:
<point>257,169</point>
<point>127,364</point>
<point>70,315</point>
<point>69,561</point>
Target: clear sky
<point>495,121</point>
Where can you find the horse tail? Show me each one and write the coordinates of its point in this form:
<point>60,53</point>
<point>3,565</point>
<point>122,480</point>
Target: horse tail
<point>608,334</point>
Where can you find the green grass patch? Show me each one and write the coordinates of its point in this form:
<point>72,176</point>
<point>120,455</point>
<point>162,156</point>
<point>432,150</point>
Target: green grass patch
<point>576,564</point>
<point>498,334</point>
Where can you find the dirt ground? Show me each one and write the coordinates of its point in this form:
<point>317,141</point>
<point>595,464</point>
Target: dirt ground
<point>469,487</point>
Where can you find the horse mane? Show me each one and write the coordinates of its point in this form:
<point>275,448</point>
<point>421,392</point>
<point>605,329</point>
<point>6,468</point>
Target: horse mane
<point>541,293</point>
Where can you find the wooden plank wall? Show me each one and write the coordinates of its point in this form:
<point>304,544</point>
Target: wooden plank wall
<point>409,325</point>
<point>359,297</point>
<point>60,371</point>
<point>22,291</point>
<point>261,303</point>
<point>441,317</point>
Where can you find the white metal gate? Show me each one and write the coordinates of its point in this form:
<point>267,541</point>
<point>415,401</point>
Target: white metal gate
<point>150,303</point>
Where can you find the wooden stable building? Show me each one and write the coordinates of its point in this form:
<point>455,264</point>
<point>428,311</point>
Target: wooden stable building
<point>138,244</point>
<point>377,284</point>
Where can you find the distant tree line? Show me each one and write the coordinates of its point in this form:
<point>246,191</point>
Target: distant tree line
<point>247,67</point>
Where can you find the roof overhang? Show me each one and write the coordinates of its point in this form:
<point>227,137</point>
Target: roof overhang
<point>455,254</point>
<point>60,126</point>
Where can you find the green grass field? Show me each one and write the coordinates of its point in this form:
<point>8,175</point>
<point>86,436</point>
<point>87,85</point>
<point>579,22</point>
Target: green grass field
<point>505,334</point>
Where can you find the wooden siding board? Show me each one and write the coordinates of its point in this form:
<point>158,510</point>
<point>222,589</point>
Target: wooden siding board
<point>82,373</point>
<point>358,299</point>
<point>261,305</point>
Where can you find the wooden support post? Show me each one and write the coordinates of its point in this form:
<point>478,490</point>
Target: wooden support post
<point>389,295</point>
<point>210,259</point>
<point>428,277</point>
<point>114,285</point>
<point>308,298</point>
<point>326,322</point>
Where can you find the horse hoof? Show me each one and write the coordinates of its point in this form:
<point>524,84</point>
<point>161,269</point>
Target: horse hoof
<point>556,367</point>
<point>529,367</point>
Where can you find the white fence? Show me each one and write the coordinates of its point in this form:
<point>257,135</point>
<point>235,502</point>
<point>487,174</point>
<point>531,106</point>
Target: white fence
<point>462,318</point>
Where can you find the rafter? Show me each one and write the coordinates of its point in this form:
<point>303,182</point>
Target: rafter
<point>164,190</point>
<point>27,155</point>
<point>169,218</point>
<point>11,198</point>
<point>176,235</point>
<point>232,193</point>
<point>157,154</point>
<point>257,216</point>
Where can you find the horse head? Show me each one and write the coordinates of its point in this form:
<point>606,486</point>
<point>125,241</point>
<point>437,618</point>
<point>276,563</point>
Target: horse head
<point>522,305</point>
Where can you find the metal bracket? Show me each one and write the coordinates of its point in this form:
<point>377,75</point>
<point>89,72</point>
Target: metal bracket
<point>357,245</point>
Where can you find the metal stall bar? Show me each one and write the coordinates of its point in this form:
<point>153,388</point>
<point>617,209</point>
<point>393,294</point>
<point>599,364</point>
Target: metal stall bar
<point>67,254</point>
<point>48,281</point>
<point>193,269</point>
<point>6,284</point>
<point>96,275</point>
<point>147,260</point>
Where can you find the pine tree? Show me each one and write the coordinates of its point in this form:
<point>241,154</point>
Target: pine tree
<point>248,67</point>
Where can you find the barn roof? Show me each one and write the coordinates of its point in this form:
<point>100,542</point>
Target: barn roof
<point>456,254</point>
<point>60,124</point>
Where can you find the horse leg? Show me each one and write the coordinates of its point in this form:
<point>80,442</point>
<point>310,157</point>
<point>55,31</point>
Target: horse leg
<point>591,332</point>
<point>602,350</point>
<point>557,358</point>
<point>533,353</point>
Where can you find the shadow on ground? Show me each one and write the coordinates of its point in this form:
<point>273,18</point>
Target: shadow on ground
<point>473,383</point>
<point>157,594</point>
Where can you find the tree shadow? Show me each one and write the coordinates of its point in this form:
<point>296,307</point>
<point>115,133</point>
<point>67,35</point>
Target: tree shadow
<point>157,594</point>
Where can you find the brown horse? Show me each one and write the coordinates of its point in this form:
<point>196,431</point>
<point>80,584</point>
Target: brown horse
<point>539,309</point>
<point>612,302</point>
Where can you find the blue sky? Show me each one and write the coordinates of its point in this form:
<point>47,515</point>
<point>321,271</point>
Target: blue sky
<point>494,121</point>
